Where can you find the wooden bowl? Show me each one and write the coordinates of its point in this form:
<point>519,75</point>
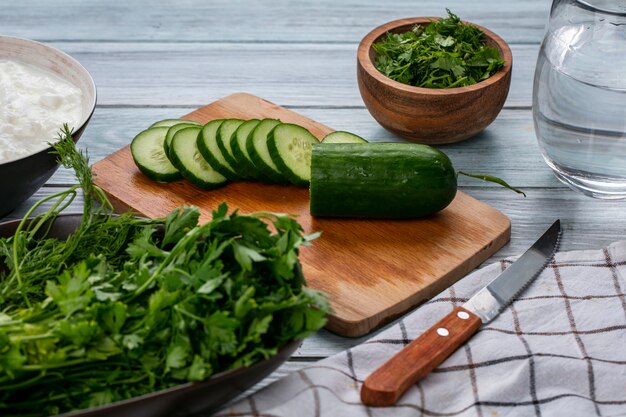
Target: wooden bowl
<point>430,115</point>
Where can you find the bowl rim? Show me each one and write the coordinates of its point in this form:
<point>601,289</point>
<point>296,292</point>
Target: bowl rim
<point>92,85</point>
<point>285,350</point>
<point>365,62</point>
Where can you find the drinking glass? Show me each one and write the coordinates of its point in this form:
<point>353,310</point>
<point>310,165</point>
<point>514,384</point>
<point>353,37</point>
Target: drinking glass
<point>579,96</point>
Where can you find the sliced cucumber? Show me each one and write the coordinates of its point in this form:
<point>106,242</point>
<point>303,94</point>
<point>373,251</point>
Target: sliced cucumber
<point>170,134</point>
<point>343,137</point>
<point>186,157</point>
<point>207,145</point>
<point>289,146</point>
<point>245,165</point>
<point>172,122</point>
<point>224,133</point>
<point>256,145</point>
<point>149,155</point>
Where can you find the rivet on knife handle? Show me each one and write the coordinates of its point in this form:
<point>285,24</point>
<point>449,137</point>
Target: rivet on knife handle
<point>418,358</point>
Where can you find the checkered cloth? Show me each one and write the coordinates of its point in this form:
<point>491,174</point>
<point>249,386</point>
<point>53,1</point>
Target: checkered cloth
<point>558,350</point>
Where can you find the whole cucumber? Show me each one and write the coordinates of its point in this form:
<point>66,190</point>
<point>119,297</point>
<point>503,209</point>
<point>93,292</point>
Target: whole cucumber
<point>380,180</point>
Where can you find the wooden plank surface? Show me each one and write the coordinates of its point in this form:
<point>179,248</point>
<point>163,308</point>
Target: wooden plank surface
<point>507,148</point>
<point>373,270</point>
<point>584,219</point>
<point>254,21</point>
<point>138,50</point>
<point>304,74</point>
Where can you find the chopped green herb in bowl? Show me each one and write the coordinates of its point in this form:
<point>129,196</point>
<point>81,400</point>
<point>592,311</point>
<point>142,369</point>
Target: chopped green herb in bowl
<point>446,53</point>
<point>433,80</point>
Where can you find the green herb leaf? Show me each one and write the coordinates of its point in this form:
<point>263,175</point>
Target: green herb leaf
<point>127,306</point>
<point>178,223</point>
<point>491,178</point>
<point>446,53</point>
<point>177,356</point>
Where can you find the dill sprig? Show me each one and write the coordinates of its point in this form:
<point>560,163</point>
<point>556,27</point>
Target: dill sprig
<point>125,306</point>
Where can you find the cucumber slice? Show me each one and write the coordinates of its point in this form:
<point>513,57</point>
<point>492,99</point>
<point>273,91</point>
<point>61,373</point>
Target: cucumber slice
<point>170,134</point>
<point>343,137</point>
<point>185,156</point>
<point>256,145</point>
<point>172,122</point>
<point>224,133</point>
<point>245,165</point>
<point>149,155</point>
<point>207,145</point>
<point>289,146</point>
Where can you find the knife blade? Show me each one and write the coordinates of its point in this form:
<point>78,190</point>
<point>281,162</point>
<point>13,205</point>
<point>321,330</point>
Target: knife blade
<point>387,383</point>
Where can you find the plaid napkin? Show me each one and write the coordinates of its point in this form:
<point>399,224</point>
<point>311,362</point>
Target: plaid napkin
<point>558,350</point>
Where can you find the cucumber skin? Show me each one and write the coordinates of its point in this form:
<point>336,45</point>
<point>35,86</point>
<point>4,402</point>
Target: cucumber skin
<point>222,147</point>
<point>341,136</point>
<point>154,175</point>
<point>241,164</point>
<point>172,122</point>
<point>158,176</point>
<point>190,176</point>
<point>380,180</point>
<point>259,163</point>
<point>285,171</point>
<point>208,156</point>
<point>166,145</point>
<point>244,161</point>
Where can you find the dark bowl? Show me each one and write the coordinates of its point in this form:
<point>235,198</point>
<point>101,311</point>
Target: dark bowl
<point>20,178</point>
<point>181,400</point>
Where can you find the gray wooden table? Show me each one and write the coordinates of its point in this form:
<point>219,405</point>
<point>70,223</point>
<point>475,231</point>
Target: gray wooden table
<point>161,59</point>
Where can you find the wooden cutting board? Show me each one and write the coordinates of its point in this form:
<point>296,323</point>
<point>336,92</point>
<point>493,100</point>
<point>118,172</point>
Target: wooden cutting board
<point>374,270</point>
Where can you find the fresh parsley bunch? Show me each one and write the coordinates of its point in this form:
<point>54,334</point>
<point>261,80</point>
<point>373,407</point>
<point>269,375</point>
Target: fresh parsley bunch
<point>444,54</point>
<point>126,306</point>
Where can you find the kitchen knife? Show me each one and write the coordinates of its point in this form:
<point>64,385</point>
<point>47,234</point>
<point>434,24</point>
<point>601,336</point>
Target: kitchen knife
<point>385,385</point>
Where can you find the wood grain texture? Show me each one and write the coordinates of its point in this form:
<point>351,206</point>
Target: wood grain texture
<point>147,56</point>
<point>137,74</point>
<point>584,219</point>
<point>253,21</point>
<point>373,270</point>
<point>430,115</point>
<point>507,148</point>
<point>387,383</point>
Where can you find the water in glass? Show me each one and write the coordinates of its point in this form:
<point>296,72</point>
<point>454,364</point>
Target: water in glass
<point>579,96</point>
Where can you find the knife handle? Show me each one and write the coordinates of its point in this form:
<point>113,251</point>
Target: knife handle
<point>385,385</point>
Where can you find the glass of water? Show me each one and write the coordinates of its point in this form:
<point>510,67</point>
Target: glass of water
<point>579,96</point>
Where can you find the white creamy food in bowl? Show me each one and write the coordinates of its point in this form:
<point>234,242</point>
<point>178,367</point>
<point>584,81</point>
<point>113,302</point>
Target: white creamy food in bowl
<point>35,104</point>
<point>41,88</point>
